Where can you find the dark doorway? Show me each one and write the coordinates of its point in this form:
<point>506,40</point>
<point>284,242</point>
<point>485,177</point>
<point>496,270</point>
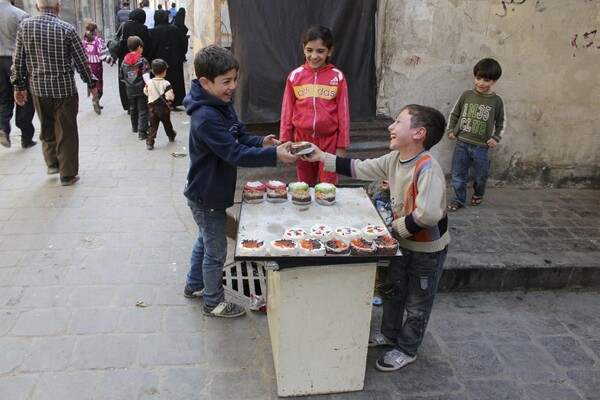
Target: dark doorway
<point>267,41</point>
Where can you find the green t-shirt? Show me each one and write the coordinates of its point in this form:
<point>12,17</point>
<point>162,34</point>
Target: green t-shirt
<point>477,117</point>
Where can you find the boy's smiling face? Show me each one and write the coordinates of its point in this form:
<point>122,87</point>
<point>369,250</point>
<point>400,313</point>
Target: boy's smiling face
<point>223,86</point>
<point>403,138</point>
<point>484,85</point>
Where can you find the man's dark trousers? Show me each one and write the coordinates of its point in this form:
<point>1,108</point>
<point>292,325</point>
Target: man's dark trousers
<point>23,114</point>
<point>59,135</point>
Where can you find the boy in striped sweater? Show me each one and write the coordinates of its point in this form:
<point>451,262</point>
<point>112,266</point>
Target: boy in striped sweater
<point>418,197</point>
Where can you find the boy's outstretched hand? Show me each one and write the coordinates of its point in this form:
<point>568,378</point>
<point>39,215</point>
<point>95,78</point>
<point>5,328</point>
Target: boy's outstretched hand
<point>270,140</point>
<point>283,153</point>
<point>314,156</point>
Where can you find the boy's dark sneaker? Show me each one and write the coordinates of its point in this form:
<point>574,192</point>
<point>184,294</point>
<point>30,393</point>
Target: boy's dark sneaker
<point>224,309</point>
<point>68,180</point>
<point>134,129</point>
<point>172,138</point>
<point>393,360</point>
<point>29,144</point>
<point>149,147</point>
<point>142,135</point>
<point>191,293</point>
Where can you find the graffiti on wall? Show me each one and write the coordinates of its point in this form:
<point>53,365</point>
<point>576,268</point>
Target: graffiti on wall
<point>510,6</point>
<point>586,40</point>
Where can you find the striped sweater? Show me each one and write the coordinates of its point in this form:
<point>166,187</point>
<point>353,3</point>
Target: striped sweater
<point>418,195</point>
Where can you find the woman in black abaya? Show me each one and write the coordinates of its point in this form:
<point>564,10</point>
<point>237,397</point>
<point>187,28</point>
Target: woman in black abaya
<point>179,22</point>
<point>168,44</point>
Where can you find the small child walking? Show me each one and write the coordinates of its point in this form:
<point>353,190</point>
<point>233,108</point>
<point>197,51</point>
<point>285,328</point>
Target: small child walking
<point>96,51</point>
<point>135,73</point>
<point>315,105</point>
<point>160,95</point>
<point>477,122</point>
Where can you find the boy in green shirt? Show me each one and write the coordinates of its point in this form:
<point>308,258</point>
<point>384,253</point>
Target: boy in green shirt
<point>477,122</point>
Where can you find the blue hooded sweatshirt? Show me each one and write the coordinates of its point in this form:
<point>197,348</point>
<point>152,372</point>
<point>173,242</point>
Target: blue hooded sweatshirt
<point>218,144</point>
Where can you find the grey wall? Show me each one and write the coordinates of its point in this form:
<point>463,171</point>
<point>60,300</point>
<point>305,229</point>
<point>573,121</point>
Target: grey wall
<point>550,54</point>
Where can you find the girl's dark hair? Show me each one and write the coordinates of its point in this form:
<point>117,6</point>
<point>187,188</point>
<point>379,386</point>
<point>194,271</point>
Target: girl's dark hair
<point>318,32</point>
<point>89,27</point>
<point>488,68</point>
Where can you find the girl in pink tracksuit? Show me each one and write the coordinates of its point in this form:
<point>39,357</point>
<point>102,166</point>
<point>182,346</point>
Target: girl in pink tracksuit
<point>315,105</point>
<point>96,50</point>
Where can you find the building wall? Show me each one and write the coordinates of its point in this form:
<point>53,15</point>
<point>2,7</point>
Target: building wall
<point>550,55</point>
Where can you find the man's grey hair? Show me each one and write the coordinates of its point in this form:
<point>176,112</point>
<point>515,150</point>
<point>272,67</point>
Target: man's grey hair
<point>47,3</point>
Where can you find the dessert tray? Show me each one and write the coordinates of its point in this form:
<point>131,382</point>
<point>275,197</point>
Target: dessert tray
<point>268,222</point>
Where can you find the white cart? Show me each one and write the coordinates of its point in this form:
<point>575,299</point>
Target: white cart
<point>318,308</point>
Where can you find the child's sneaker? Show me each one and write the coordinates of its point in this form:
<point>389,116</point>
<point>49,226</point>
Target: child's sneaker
<point>191,293</point>
<point>393,360</point>
<point>225,309</point>
<point>97,107</point>
<point>379,339</point>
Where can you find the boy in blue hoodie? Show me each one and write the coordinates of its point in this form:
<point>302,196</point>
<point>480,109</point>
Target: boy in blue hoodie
<point>218,144</point>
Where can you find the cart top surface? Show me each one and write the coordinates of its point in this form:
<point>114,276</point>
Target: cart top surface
<point>268,221</point>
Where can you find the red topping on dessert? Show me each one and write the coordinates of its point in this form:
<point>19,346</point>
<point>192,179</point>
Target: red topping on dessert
<point>255,185</point>
<point>362,243</point>
<point>374,229</point>
<point>274,185</point>
<point>285,244</point>
<point>336,244</point>
<point>311,244</point>
<point>252,244</point>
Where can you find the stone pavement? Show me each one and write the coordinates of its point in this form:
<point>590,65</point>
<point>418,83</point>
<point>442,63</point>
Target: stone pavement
<point>74,261</point>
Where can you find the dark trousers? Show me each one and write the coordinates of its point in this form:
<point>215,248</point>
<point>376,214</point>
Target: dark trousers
<point>59,135</point>
<point>138,112</point>
<point>158,113</point>
<point>23,115</point>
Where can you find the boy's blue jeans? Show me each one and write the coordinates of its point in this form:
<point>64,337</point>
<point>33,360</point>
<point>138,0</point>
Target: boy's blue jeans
<point>410,286</point>
<point>468,156</point>
<point>209,253</point>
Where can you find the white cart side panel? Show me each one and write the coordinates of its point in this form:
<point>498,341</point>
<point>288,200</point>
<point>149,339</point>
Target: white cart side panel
<point>319,321</point>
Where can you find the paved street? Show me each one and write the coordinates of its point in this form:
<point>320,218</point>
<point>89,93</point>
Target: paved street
<point>74,261</point>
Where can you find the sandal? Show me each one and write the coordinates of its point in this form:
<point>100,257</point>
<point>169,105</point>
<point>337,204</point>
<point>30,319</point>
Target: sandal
<point>476,200</point>
<point>454,206</point>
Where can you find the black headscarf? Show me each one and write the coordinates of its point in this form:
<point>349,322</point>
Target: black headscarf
<point>137,15</point>
<point>161,17</point>
<point>179,19</point>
